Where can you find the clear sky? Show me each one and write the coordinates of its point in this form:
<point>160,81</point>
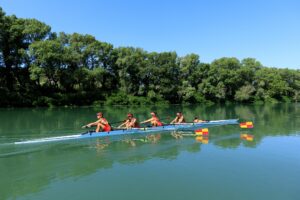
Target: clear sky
<point>268,30</point>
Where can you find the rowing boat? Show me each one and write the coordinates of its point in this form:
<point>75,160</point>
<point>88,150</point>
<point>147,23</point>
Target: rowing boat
<point>145,130</point>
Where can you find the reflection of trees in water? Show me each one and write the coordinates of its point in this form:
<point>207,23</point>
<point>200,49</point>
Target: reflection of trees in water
<point>229,143</point>
<point>59,161</point>
<point>81,159</point>
<point>31,172</point>
<point>56,121</point>
<point>194,148</point>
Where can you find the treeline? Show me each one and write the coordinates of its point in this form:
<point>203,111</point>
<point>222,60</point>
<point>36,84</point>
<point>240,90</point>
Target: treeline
<point>43,68</point>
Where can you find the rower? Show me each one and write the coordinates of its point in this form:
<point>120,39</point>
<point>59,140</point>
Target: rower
<point>154,120</point>
<point>130,122</point>
<point>197,120</point>
<point>102,124</point>
<point>178,119</point>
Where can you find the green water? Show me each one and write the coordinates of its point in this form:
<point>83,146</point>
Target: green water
<point>159,166</point>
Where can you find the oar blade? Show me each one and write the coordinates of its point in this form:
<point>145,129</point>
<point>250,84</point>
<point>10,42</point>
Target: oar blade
<point>246,125</point>
<point>202,131</point>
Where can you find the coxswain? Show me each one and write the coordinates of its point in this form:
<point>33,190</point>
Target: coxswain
<point>197,120</point>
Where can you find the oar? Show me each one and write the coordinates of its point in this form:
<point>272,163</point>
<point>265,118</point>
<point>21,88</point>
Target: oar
<point>183,123</point>
<point>119,128</point>
<point>85,126</point>
<point>166,118</point>
<point>118,122</point>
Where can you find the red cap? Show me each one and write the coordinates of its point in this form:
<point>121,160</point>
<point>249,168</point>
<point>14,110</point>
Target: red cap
<point>129,115</point>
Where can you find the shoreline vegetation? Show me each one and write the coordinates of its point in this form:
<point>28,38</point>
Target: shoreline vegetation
<point>43,68</point>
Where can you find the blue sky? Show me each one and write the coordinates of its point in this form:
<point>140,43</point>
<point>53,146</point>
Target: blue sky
<point>268,30</point>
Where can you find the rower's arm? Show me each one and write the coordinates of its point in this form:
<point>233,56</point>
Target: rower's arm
<point>149,120</point>
<point>133,121</point>
<point>104,122</point>
<point>93,123</point>
<point>122,124</point>
<point>172,122</point>
<point>180,120</point>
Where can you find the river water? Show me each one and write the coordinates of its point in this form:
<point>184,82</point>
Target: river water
<point>231,163</point>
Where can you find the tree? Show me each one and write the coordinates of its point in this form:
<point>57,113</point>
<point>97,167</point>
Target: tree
<point>129,63</point>
<point>188,65</point>
<point>222,79</point>
<point>244,94</point>
<point>270,84</point>
<point>48,55</point>
<point>163,75</point>
<point>39,66</point>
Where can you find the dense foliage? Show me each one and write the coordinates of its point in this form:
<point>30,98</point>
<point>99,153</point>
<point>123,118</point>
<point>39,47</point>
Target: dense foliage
<point>42,68</point>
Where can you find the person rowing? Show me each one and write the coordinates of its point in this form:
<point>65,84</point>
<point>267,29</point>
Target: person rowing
<point>130,122</point>
<point>178,119</point>
<point>102,124</point>
<point>154,120</point>
<point>197,120</point>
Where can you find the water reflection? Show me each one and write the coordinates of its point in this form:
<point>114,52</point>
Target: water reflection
<point>42,164</point>
<point>247,137</point>
<point>29,122</point>
<point>39,165</point>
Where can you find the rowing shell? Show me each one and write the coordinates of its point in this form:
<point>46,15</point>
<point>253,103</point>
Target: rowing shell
<point>166,128</point>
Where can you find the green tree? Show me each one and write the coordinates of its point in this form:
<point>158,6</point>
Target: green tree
<point>15,37</point>
<point>129,63</point>
<point>39,66</point>
<point>222,79</point>
<point>270,84</point>
<point>245,93</point>
<point>48,55</point>
<point>163,75</point>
